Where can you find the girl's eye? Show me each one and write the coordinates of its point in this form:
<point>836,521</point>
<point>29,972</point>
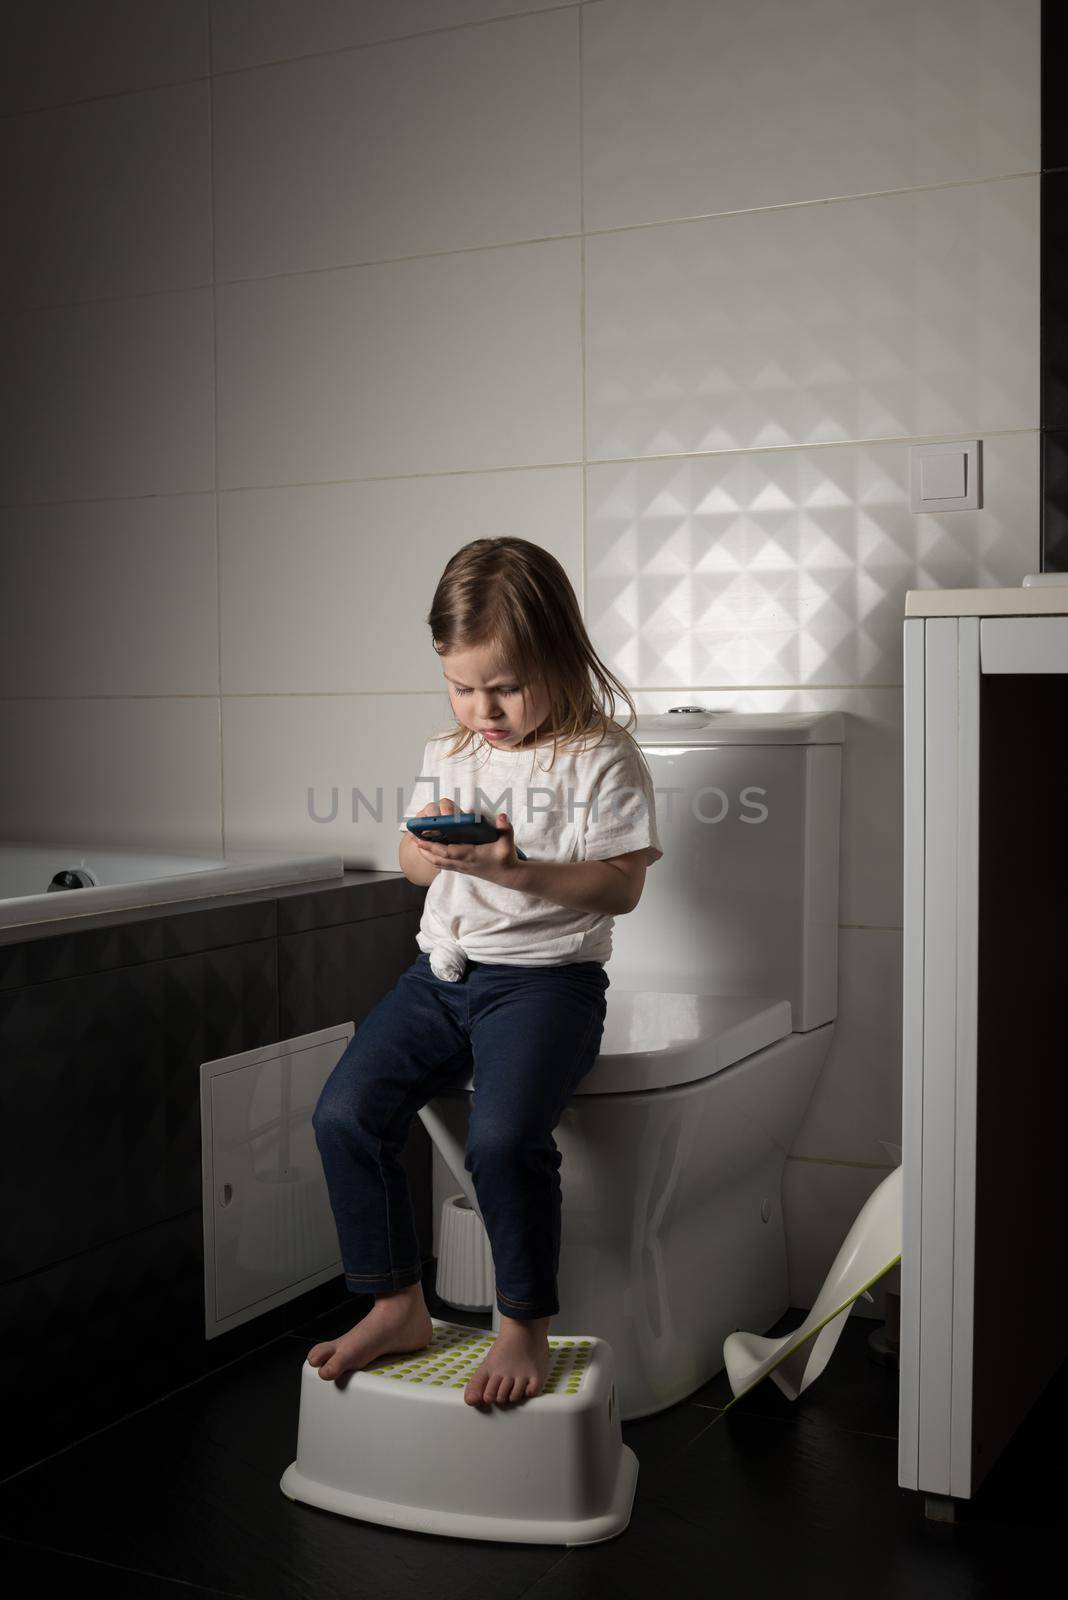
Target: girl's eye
<point>502,691</point>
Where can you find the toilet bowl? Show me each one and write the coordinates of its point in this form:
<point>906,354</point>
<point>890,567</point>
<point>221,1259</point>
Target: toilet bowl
<point>720,1015</point>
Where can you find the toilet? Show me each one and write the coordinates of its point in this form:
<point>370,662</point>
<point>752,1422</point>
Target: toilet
<point>721,1007</point>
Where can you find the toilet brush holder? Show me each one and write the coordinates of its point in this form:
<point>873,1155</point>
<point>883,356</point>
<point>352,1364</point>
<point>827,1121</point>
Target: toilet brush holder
<point>464,1274</point>
<point>398,1444</point>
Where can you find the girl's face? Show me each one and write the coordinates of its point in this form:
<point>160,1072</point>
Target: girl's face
<point>485,697</point>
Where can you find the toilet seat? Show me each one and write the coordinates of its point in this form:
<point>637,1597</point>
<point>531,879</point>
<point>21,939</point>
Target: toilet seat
<point>653,1040</point>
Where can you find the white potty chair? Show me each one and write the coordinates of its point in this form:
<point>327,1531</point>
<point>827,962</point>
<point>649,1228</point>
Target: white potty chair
<point>870,1248</point>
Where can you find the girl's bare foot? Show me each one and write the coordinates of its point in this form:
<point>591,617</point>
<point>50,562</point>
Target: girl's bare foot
<point>516,1366</point>
<point>398,1321</point>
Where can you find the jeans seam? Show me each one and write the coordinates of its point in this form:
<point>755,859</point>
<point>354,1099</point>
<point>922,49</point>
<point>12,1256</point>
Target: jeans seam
<point>594,1018</point>
<point>393,1271</point>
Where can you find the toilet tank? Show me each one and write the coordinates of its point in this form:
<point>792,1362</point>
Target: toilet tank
<point>745,898</point>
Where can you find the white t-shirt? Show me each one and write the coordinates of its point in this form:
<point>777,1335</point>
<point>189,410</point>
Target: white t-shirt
<point>594,802</point>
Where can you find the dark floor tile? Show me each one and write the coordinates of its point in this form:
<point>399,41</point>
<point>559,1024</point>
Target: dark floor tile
<point>770,1497</point>
<point>663,1552</point>
<point>773,1507</point>
<point>190,1488</point>
<point>35,1570</point>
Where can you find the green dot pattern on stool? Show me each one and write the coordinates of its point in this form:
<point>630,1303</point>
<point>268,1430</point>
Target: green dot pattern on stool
<point>451,1359</point>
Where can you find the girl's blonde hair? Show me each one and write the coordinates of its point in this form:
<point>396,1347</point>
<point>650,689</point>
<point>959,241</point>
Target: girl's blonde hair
<point>516,597</point>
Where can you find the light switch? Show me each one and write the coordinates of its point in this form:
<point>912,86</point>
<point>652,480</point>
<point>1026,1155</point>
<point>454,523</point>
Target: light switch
<point>945,477</point>
<point>942,477</point>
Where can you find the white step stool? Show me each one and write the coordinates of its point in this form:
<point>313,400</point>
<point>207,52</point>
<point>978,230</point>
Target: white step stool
<point>398,1444</point>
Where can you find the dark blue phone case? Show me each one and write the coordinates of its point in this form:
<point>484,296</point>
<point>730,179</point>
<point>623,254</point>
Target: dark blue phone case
<point>457,827</point>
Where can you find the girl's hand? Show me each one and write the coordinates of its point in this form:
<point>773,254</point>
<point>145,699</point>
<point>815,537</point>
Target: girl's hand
<point>496,862</point>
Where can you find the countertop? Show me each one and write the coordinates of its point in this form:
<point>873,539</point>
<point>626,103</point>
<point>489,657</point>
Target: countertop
<point>1045,599</point>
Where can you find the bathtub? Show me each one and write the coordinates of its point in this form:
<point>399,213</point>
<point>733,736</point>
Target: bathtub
<point>117,877</point>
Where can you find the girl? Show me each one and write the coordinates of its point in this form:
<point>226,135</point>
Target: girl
<point>510,978</point>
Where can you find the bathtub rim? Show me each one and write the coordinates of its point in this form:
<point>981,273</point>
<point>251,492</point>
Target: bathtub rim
<point>238,872</point>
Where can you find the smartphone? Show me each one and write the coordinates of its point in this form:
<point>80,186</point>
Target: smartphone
<point>457,827</point>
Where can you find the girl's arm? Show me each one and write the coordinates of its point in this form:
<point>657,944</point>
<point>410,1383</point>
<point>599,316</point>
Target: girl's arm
<point>613,886</point>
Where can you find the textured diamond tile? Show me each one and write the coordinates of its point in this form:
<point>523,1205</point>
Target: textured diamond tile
<point>773,567</point>
<point>901,315</point>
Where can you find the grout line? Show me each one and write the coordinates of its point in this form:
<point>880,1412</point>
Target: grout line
<point>282,61</point>
<point>157,1579</point>
<point>215,433</point>
<point>150,1405</point>
<point>377,694</point>
<point>548,238</point>
<point>551,466</point>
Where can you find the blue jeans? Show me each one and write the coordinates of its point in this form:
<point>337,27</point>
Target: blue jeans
<point>531,1033</point>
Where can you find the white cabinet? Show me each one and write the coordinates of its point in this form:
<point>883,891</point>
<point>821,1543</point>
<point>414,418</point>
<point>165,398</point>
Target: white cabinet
<point>985,1101</point>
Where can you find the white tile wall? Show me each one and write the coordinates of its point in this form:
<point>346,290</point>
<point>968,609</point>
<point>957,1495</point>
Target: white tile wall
<point>874,318</point>
<point>445,363</point>
<point>248,32</point>
<point>325,773</point>
<point>297,298</point>
<point>117,397</point>
<point>110,597</point>
<point>77,765</point>
<point>693,108</point>
<point>768,567</point>
<point>298,612</point>
<point>112,197</point>
<point>56,51</point>
<point>434,143</point>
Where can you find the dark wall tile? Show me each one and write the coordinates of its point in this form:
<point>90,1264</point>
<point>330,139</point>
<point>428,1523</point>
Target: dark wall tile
<point>144,936</point>
<point>42,952</point>
<point>101,1259</point>
<point>377,895</point>
<point>100,1079</point>
<point>105,1332</point>
<point>336,974</point>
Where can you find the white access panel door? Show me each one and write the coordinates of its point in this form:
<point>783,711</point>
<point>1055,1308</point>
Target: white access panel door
<point>269,1231</point>
<point>984,1023</point>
